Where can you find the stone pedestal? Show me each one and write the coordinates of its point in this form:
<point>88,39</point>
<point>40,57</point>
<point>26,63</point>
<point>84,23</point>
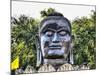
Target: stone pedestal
<point>55,68</point>
<point>65,67</point>
<point>47,68</point>
<point>50,68</point>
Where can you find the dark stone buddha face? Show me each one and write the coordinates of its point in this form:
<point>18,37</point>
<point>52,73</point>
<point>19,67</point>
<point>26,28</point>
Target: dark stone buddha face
<point>55,38</point>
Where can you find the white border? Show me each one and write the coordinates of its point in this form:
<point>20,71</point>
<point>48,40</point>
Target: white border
<point>5,37</point>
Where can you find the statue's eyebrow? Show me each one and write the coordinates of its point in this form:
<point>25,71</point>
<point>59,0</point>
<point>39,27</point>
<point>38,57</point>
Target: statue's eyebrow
<point>62,29</point>
<point>51,29</point>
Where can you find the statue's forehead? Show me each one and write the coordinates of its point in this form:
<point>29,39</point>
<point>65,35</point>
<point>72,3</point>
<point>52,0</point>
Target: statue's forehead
<point>59,22</point>
<point>56,24</point>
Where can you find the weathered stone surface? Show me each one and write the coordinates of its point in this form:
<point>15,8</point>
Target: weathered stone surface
<point>50,68</point>
<point>29,69</point>
<point>65,67</point>
<point>54,40</point>
<point>76,68</point>
<point>18,71</point>
<point>46,68</point>
<point>84,67</point>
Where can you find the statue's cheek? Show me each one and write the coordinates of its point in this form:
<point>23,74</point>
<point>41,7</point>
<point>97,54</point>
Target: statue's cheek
<point>66,38</point>
<point>65,44</point>
<point>44,40</point>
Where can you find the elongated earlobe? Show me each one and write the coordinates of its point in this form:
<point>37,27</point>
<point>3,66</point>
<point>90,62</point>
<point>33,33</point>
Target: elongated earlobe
<point>71,55</point>
<point>39,53</point>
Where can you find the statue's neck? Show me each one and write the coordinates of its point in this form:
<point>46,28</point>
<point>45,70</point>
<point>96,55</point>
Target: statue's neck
<point>55,62</point>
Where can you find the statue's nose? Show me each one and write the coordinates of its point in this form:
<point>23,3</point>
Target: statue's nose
<point>55,38</point>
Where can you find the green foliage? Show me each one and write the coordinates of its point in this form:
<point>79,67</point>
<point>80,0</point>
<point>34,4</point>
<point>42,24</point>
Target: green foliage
<point>84,32</point>
<point>45,12</point>
<point>23,39</point>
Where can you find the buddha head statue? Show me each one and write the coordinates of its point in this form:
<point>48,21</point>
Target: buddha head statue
<point>55,40</point>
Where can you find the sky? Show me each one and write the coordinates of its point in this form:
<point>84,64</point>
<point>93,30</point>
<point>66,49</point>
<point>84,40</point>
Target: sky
<point>32,9</point>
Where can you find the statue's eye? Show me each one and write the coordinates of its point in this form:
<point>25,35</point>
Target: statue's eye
<point>49,33</point>
<point>63,33</point>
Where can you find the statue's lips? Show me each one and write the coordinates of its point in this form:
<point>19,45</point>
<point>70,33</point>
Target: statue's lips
<point>55,53</point>
<point>54,47</point>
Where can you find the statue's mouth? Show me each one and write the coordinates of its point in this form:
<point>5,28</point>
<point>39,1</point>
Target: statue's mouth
<point>55,56</point>
<point>55,53</point>
<point>54,47</point>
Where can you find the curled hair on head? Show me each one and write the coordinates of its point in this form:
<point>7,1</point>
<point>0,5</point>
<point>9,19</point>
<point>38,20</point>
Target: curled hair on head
<point>56,14</point>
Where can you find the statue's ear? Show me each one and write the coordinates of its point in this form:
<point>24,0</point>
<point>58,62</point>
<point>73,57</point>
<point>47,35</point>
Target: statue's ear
<point>39,52</point>
<point>71,56</point>
<point>71,49</point>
